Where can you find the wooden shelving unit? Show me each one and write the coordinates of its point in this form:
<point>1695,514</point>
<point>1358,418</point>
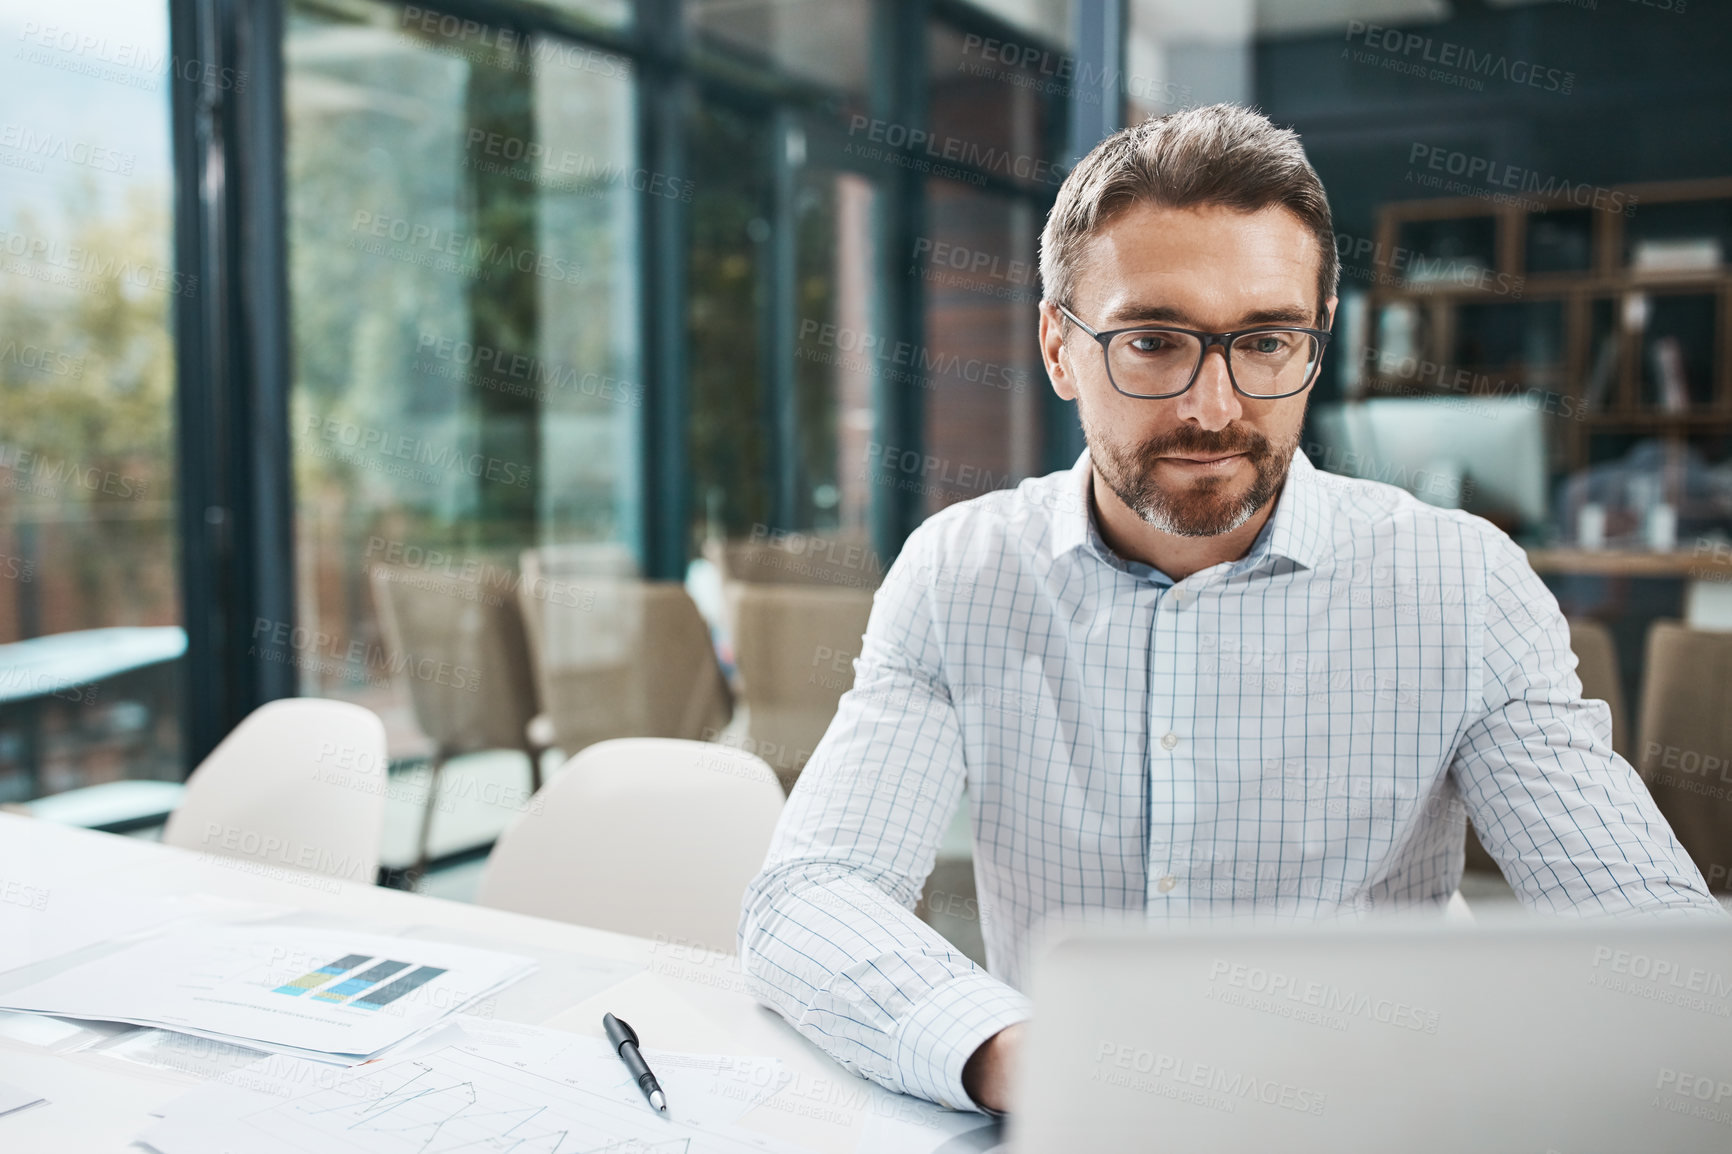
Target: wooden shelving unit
<point>1570,311</point>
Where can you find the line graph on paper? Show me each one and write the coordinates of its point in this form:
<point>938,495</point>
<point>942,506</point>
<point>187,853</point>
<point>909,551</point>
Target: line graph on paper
<point>456,1102</point>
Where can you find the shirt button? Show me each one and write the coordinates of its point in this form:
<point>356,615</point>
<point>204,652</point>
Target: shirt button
<point>1166,884</point>
<point>1170,741</point>
<point>1178,599</point>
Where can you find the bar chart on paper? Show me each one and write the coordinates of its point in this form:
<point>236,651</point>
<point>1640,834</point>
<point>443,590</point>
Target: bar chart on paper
<point>296,989</point>
<point>366,976</point>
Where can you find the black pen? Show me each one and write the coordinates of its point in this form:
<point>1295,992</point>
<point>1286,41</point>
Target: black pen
<point>625,1043</point>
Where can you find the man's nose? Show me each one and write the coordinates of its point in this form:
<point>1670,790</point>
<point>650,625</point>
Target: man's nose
<point>1211,401</point>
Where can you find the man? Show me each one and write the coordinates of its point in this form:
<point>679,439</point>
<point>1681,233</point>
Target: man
<point>1191,676</point>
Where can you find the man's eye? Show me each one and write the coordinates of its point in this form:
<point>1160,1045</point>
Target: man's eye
<point>1151,343</point>
<point>1268,343</point>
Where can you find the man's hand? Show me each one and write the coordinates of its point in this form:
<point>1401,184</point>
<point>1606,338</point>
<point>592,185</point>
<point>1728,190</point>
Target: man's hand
<point>990,1069</point>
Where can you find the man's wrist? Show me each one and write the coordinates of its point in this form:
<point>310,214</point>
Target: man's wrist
<point>987,1074</point>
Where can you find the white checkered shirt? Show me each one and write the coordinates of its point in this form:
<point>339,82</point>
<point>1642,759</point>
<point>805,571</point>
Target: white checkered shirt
<point>1297,733</point>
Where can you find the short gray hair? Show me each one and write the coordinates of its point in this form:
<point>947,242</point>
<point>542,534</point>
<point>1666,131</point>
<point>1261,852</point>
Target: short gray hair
<point>1221,155</point>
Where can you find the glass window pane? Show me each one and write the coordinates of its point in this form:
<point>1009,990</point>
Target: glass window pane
<point>731,452</point>
<point>997,113</point>
<point>833,394</point>
<point>462,229</point>
<point>981,368</point>
<point>89,590</point>
<point>822,42</point>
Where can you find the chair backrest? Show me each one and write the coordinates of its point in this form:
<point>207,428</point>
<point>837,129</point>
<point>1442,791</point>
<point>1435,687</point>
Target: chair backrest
<point>1686,755</point>
<point>642,836</point>
<point>795,648</point>
<point>299,783</point>
<point>1597,666</point>
<point>615,657</point>
<point>459,645</point>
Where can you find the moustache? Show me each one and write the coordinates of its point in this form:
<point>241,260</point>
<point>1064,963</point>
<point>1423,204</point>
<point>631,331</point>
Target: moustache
<point>1189,440</point>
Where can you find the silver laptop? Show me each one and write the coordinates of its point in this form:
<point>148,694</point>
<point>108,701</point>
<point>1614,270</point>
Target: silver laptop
<point>1525,1035</point>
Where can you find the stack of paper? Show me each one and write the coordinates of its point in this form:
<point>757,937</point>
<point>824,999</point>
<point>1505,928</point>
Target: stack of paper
<point>329,995</point>
<point>39,922</point>
<point>474,1086</point>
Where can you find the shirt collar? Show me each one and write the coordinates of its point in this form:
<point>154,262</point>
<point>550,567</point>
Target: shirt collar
<point>1297,529</point>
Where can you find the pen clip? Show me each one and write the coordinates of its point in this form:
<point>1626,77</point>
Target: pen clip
<point>630,1035</point>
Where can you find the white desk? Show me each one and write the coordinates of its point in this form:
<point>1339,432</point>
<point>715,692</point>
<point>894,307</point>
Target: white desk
<point>686,999</point>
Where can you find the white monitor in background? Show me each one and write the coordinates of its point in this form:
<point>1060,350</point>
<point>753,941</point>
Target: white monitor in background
<point>1483,454</point>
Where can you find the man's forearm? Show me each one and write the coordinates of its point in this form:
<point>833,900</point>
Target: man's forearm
<point>879,990</point>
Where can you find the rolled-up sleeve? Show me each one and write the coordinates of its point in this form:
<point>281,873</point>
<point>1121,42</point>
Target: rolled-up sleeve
<point>1568,821</point>
<point>828,937</point>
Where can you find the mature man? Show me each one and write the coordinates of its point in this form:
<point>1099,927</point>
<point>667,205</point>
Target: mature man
<point>1192,676</point>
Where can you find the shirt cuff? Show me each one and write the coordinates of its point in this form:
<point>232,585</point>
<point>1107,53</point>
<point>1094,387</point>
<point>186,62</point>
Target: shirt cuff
<point>943,1030</point>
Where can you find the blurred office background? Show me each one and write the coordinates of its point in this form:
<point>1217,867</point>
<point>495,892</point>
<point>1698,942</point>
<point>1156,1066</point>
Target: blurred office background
<point>542,371</point>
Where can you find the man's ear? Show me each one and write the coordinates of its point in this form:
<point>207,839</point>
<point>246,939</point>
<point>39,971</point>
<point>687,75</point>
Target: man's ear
<point>1052,351</point>
<point>1329,313</point>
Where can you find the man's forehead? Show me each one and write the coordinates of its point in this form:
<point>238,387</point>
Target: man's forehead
<point>1153,257</point>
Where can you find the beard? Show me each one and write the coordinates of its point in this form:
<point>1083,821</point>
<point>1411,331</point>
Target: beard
<point>1206,507</point>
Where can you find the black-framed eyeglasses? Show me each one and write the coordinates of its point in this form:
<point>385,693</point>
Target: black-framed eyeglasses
<point>1154,362</point>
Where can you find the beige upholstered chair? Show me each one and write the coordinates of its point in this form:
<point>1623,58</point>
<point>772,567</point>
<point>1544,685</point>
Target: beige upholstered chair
<point>693,818</point>
<point>459,645</point>
<point>617,657</point>
<point>1597,666</point>
<point>795,647</point>
<point>299,782</point>
<point>1686,755</point>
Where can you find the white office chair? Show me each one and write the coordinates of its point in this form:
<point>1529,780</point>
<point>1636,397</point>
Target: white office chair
<point>642,835</point>
<point>300,783</point>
